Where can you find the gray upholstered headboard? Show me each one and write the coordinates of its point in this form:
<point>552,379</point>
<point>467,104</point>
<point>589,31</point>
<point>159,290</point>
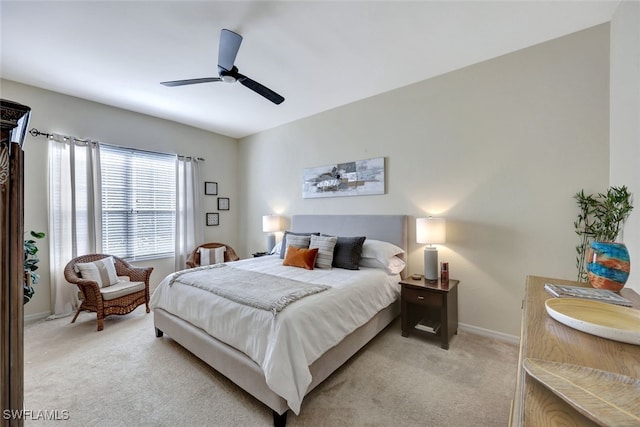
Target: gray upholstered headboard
<point>390,228</point>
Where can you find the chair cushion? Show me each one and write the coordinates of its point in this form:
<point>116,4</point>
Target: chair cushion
<point>121,289</point>
<point>210,256</point>
<point>102,271</point>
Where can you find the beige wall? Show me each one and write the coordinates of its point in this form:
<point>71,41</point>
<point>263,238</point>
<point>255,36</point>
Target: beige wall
<point>498,148</point>
<point>625,120</point>
<point>53,112</point>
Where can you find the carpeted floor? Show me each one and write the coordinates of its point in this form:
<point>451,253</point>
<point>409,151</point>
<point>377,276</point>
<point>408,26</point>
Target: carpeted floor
<point>125,376</point>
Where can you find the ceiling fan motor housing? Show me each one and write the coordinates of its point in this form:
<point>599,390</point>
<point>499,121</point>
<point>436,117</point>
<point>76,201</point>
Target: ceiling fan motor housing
<point>228,76</point>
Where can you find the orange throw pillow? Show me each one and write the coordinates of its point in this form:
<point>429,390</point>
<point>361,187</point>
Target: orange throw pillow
<point>300,257</point>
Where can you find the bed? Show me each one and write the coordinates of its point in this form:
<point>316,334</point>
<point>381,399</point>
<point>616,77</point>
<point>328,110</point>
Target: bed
<point>287,354</point>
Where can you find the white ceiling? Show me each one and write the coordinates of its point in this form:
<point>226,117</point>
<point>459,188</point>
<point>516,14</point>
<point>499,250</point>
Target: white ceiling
<point>317,54</point>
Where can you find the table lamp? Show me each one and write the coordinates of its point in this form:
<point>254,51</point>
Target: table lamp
<point>431,231</point>
<point>270,224</point>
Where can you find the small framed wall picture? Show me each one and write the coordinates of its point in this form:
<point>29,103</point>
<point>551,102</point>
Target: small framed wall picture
<point>213,218</point>
<point>223,203</point>
<point>211,188</point>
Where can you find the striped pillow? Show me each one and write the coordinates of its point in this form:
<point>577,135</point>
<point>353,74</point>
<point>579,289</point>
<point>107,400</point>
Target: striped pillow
<point>301,242</point>
<point>102,271</point>
<point>212,256</point>
<point>285,242</point>
<point>325,245</point>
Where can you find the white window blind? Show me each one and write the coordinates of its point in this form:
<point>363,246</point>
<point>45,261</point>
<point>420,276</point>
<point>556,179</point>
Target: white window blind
<point>138,203</point>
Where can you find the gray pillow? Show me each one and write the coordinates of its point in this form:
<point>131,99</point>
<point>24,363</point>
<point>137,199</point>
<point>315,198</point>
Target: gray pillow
<point>285,245</point>
<point>326,246</point>
<point>348,252</point>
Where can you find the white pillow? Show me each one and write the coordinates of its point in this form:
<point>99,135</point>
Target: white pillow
<point>325,245</point>
<point>380,250</point>
<point>276,249</point>
<point>380,254</point>
<point>102,271</point>
<point>393,265</point>
<point>396,265</point>
<point>212,256</point>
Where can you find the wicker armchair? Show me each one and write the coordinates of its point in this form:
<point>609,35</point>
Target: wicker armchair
<point>123,301</point>
<point>194,257</point>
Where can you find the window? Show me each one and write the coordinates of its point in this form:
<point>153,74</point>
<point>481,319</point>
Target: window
<point>138,203</point>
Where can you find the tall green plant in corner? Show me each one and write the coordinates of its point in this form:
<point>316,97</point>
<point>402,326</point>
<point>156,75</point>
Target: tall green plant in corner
<point>31,261</point>
<point>601,218</point>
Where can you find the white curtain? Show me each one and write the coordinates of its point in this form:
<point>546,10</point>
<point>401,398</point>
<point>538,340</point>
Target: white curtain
<point>75,213</point>
<point>189,213</point>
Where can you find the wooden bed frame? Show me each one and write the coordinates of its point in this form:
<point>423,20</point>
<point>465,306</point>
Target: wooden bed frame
<point>247,374</point>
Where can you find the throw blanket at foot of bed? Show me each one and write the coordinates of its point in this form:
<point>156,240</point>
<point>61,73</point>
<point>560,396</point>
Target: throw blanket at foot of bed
<point>251,288</point>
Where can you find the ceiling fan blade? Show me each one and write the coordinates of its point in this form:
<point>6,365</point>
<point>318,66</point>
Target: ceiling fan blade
<point>260,89</point>
<point>191,81</point>
<point>229,46</point>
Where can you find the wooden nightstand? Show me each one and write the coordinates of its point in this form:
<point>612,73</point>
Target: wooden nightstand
<point>433,304</point>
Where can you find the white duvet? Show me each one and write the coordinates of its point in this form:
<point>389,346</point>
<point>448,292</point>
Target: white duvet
<point>285,345</point>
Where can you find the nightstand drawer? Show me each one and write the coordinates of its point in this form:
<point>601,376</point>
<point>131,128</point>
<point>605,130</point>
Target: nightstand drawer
<point>418,296</point>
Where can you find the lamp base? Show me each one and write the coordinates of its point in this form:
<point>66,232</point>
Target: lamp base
<point>271,242</point>
<point>430,263</point>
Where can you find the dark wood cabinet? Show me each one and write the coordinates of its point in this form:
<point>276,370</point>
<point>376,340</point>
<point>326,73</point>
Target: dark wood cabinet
<point>11,260</point>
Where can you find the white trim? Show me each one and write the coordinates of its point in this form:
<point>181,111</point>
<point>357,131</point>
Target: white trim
<point>512,339</point>
<point>36,316</point>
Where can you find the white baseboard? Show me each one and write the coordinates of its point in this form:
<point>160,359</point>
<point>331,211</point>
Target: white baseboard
<point>512,339</point>
<point>36,316</point>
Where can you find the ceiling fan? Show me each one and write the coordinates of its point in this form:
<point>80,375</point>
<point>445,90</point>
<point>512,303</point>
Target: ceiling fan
<point>228,72</point>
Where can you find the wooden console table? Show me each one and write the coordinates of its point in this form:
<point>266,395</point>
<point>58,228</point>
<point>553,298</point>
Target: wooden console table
<point>542,337</point>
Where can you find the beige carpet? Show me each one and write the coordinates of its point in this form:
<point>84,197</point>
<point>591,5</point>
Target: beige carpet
<point>125,376</point>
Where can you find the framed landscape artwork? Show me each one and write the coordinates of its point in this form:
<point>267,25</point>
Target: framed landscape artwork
<point>357,178</point>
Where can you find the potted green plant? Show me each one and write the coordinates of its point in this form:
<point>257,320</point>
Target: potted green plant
<point>31,261</point>
<point>601,219</point>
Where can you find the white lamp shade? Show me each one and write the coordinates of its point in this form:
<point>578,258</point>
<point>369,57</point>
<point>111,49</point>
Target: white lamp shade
<point>431,230</point>
<point>270,223</point>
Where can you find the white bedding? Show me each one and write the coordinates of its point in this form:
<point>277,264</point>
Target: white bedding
<point>285,345</point>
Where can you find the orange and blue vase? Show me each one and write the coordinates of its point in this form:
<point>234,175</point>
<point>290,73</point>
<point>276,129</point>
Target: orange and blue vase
<point>608,265</point>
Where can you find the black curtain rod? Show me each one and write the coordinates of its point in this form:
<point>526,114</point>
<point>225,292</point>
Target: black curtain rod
<point>200,159</point>
<point>35,132</point>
